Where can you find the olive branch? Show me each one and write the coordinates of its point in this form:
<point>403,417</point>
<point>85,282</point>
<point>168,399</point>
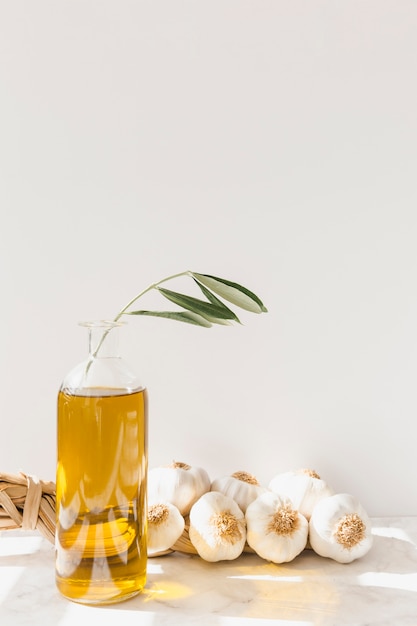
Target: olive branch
<point>197,311</point>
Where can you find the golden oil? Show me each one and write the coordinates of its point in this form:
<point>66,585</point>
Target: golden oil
<point>101,549</point>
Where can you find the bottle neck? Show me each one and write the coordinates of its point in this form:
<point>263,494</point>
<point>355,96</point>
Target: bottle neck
<point>103,339</point>
<point>104,372</point>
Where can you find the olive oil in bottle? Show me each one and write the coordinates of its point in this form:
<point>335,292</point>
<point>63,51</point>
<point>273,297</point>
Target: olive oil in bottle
<point>101,547</point>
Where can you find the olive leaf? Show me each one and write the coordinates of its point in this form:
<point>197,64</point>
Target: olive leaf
<point>232,292</point>
<point>180,316</point>
<point>212,298</point>
<point>201,307</point>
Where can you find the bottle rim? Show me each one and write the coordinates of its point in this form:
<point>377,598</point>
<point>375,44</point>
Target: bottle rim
<point>105,324</point>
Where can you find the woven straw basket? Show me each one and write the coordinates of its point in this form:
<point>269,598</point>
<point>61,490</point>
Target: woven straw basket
<point>28,503</point>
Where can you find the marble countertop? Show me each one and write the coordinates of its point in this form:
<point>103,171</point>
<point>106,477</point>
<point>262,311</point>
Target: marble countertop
<point>380,589</point>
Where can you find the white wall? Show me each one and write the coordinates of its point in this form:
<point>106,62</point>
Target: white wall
<point>270,142</point>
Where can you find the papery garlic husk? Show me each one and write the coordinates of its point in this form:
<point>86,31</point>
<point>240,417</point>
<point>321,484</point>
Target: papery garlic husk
<point>340,528</point>
<point>243,487</point>
<point>179,483</point>
<point>303,487</point>
<point>165,526</point>
<point>276,531</point>
<point>217,527</point>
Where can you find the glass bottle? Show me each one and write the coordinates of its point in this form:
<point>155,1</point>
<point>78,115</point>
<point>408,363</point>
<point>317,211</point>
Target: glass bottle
<point>102,458</point>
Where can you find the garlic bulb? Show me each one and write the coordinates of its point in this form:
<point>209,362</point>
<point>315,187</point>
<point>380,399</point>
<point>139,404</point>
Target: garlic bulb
<point>165,526</point>
<point>303,487</point>
<point>179,484</point>
<point>275,530</point>
<point>340,528</point>
<point>217,527</point>
<point>241,486</point>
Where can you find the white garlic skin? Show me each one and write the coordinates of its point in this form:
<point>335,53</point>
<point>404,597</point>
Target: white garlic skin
<point>323,524</point>
<point>242,492</point>
<point>204,532</point>
<point>164,532</point>
<point>303,489</point>
<point>179,484</point>
<point>270,544</point>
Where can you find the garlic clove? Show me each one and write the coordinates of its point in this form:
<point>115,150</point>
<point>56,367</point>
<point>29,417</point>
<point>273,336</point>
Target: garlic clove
<point>276,531</point>
<point>243,487</point>
<point>304,487</point>
<point>217,527</point>
<point>165,526</point>
<point>340,528</point>
<point>179,483</point>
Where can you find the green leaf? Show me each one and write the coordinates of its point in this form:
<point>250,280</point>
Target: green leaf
<point>232,292</point>
<point>210,296</point>
<point>217,320</point>
<point>206,309</point>
<point>180,316</point>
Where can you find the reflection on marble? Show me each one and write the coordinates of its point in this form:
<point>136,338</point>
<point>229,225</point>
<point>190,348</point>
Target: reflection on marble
<point>378,590</point>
